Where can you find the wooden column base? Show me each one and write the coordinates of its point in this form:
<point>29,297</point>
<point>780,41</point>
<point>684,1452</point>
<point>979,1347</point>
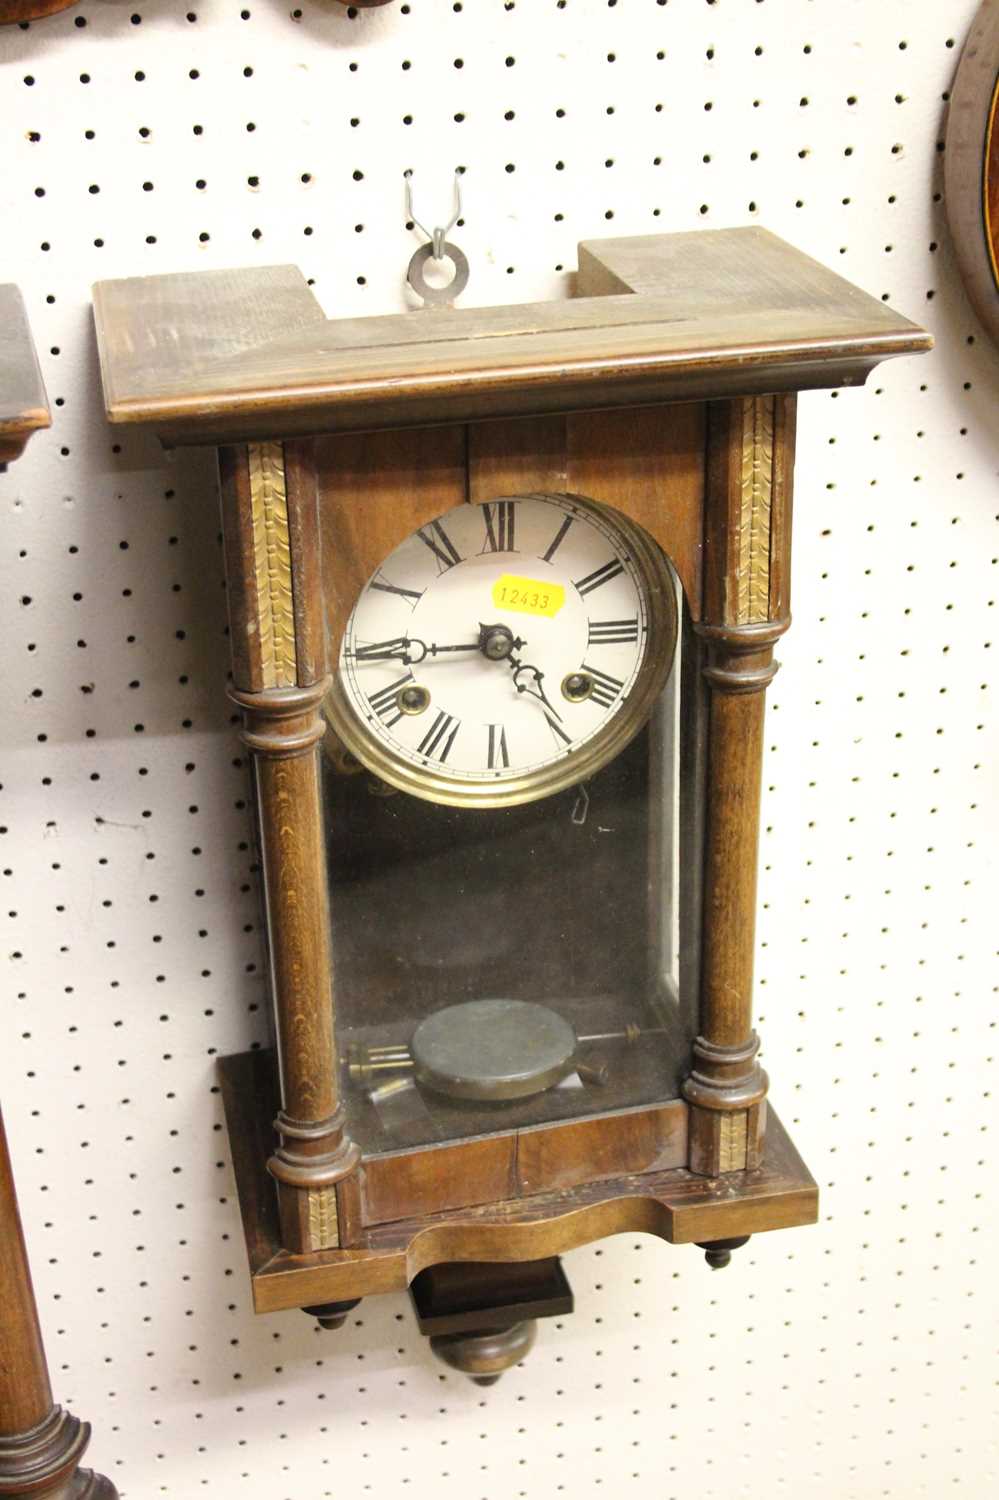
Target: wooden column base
<point>726,1091</point>
<point>43,1463</point>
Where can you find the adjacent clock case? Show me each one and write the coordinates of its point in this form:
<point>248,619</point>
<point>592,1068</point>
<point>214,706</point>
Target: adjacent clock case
<point>41,1444</point>
<point>666,390</point>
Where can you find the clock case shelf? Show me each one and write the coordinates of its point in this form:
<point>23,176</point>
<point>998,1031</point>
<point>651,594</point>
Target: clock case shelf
<point>666,387</point>
<point>674,1204</point>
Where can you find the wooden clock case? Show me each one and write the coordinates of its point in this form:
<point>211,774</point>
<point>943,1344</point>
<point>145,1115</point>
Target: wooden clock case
<point>971,165</point>
<point>667,388</point>
<point>16,12</point>
<point>41,1444</point>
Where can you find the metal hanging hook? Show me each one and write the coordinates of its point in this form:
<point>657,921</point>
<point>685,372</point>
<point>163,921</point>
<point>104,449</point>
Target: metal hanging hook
<point>438,237</point>
<point>438,249</point>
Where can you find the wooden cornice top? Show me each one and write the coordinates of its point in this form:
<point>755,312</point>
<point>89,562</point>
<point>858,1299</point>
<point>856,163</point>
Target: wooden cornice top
<point>218,356</point>
<point>23,404</point>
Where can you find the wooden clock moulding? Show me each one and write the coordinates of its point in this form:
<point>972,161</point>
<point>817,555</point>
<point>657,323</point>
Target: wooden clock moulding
<point>41,1444</point>
<point>15,12</point>
<point>666,387</point>
<point>971,165</point>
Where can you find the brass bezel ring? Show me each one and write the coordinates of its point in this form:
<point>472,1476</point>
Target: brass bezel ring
<point>657,579</point>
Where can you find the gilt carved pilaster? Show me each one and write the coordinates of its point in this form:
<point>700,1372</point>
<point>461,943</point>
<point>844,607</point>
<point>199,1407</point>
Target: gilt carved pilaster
<point>746,592</point>
<point>279,681</point>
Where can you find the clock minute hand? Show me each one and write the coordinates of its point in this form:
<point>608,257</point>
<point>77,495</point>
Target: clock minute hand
<point>495,642</point>
<point>405,648</point>
<point>408,649</point>
<point>435,650</point>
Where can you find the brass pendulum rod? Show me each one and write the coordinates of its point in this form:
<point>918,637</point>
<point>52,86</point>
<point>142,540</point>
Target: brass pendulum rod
<point>366,1062</point>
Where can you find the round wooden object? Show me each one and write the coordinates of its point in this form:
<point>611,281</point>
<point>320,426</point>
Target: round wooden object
<point>13,11</point>
<point>332,1315</point>
<point>485,1355</point>
<point>972,165</point>
<point>718,1253</point>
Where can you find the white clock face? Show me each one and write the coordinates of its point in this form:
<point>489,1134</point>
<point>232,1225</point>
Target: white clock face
<point>494,649</point>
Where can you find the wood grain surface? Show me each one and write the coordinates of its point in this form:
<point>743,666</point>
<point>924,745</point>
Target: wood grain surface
<point>24,407</point>
<point>971,165</point>
<point>375,490</point>
<point>720,312</point>
<point>25,1392</point>
<point>16,11</point>
<point>520,1163</point>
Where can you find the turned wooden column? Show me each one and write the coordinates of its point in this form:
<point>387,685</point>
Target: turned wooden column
<point>747,531</point>
<point>41,1445</point>
<point>271,527</point>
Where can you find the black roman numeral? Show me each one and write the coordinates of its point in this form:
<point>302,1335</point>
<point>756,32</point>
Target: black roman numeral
<point>557,731</point>
<point>384,701</point>
<point>397,649</point>
<point>605,688</point>
<point>381,582</point>
<point>612,632</point>
<point>600,575</point>
<point>436,538</point>
<point>500,518</point>
<point>559,538</point>
<point>498,754</point>
<point>435,736</point>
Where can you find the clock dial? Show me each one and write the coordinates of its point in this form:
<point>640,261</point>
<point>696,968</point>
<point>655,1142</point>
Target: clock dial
<point>505,649</point>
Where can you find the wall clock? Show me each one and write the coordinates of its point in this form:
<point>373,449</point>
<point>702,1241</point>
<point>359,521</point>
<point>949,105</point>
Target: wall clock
<point>972,165</point>
<point>16,12</point>
<point>504,589</point>
<point>41,1444</point>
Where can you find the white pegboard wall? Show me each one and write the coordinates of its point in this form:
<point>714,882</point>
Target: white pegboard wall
<point>851,1360</point>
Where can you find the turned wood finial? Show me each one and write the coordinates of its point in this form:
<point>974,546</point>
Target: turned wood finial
<point>332,1315</point>
<point>486,1354</point>
<point>718,1253</point>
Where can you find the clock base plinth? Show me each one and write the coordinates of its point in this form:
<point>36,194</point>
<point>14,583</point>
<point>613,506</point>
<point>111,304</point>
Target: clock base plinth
<point>675,1204</point>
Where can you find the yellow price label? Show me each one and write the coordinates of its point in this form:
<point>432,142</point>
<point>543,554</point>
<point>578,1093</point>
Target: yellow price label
<point>528,596</point>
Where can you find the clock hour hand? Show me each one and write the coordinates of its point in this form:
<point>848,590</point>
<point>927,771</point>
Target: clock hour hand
<point>535,689</point>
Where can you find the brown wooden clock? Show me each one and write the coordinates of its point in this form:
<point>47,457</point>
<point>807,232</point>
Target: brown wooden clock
<point>972,165</point>
<point>504,587</point>
<point>41,1444</point>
